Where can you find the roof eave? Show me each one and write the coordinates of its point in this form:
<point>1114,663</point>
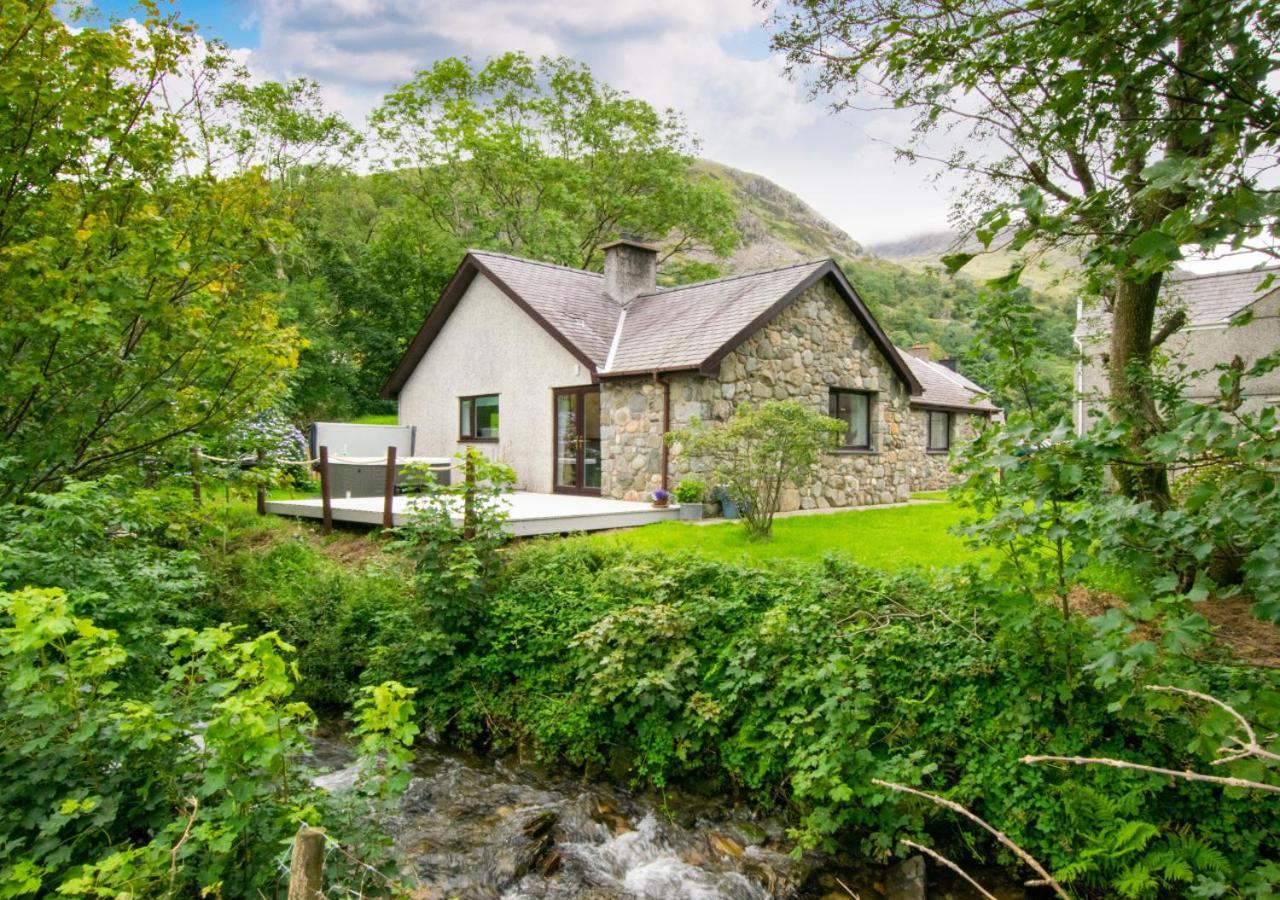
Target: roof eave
<point>954,407</point>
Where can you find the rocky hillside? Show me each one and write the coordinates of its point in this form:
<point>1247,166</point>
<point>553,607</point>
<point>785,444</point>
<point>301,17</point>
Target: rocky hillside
<point>778,227</point>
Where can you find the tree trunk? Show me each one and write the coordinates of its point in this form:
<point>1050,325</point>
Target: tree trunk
<point>1132,398</point>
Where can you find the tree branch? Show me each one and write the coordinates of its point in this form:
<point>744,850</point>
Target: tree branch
<point>999,835</point>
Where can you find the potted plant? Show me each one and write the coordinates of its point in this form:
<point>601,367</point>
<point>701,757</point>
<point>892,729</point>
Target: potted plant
<point>689,494</point>
<point>661,499</point>
<point>728,507</point>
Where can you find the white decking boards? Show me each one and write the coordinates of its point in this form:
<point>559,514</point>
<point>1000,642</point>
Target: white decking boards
<point>529,513</point>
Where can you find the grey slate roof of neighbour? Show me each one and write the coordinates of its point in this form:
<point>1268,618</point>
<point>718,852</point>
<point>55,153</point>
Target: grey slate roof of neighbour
<point>1212,299</point>
<point>943,387</point>
<point>680,328</point>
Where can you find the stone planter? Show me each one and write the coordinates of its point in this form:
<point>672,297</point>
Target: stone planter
<point>690,512</point>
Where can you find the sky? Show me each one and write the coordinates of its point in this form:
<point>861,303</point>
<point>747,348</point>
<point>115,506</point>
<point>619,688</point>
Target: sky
<point>708,59</point>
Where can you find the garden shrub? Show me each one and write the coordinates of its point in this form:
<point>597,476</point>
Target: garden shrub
<point>192,787</point>
<point>798,685</point>
<point>331,610</point>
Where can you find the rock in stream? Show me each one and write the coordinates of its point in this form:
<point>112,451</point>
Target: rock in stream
<point>475,829</point>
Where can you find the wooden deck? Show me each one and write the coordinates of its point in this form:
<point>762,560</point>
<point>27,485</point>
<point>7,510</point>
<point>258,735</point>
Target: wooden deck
<point>529,514</point>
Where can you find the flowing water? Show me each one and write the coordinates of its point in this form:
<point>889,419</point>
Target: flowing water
<point>478,829</point>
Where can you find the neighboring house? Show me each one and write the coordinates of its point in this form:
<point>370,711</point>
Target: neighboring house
<point>1209,303</point>
<point>573,377</point>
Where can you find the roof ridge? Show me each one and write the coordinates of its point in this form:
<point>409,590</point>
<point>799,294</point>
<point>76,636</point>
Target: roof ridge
<point>533,262</point>
<point>757,272</point>
<point>1255,270</point>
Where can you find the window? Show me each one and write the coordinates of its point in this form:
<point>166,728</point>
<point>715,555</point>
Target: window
<point>853,408</point>
<point>938,426</point>
<point>478,418</point>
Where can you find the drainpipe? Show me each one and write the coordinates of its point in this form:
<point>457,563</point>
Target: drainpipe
<point>666,426</point>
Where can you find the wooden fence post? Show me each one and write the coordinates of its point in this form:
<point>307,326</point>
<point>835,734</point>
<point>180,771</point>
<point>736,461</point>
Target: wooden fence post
<point>326,493</point>
<point>469,501</point>
<point>389,490</point>
<point>195,475</point>
<point>262,488</point>
<point>306,870</point>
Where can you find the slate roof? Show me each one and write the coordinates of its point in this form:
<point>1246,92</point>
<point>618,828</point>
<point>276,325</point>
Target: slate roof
<point>571,300</point>
<point>689,327</point>
<point>1212,299</point>
<point>943,387</point>
<point>682,327</point>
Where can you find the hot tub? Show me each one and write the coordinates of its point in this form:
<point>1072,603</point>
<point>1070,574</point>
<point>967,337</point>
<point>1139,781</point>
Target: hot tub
<point>366,476</point>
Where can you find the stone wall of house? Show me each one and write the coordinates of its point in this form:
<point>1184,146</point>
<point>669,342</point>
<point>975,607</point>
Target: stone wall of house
<point>812,346</point>
<point>931,469</point>
<point>630,438</point>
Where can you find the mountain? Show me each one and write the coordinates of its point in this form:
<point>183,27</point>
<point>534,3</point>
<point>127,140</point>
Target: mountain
<point>777,227</point>
<point>904,283</point>
<point>1052,272</point>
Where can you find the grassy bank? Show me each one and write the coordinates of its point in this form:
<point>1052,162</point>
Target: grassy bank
<point>889,538</point>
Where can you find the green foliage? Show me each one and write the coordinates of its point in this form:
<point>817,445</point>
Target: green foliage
<point>797,685</point>
<point>453,535</point>
<point>690,490</point>
<point>759,452</point>
<point>1012,356</point>
<point>134,309</point>
<point>1032,498</point>
<point>100,785</point>
<point>331,600</point>
<point>1128,133</point>
<point>124,562</point>
<point>385,723</point>
<point>547,161</point>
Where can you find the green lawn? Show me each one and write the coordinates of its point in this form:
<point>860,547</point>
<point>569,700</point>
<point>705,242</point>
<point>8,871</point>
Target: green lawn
<point>887,538</point>
<point>381,419</point>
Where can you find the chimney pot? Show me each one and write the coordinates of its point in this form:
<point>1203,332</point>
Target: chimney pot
<point>630,270</point>
<point>920,351</point>
<point>949,362</point>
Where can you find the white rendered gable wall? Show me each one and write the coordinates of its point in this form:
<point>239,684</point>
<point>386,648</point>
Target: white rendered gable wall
<point>489,345</point>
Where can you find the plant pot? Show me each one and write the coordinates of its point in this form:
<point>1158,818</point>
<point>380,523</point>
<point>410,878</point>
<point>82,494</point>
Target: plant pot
<point>690,512</point>
<point>661,504</point>
<point>728,509</point>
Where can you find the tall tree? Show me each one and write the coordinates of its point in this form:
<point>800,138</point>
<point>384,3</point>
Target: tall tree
<point>542,159</point>
<point>1129,130</point>
<point>132,314</point>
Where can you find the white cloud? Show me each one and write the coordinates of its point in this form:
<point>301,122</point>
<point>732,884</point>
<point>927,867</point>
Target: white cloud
<point>667,52</point>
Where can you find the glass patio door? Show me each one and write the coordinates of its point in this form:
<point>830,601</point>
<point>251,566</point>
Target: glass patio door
<point>577,440</point>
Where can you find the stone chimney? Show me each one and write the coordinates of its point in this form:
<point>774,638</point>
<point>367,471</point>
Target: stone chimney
<point>920,351</point>
<point>949,362</point>
<point>630,269</point>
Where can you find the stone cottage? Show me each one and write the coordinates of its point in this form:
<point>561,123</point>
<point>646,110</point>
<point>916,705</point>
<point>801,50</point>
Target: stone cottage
<point>573,377</point>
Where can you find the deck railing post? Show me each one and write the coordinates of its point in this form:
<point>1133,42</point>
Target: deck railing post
<point>195,475</point>
<point>389,490</point>
<point>262,485</point>
<point>469,501</point>
<point>326,493</point>
<point>306,870</point>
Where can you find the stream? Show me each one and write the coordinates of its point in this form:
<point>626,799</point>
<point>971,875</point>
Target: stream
<point>481,829</point>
